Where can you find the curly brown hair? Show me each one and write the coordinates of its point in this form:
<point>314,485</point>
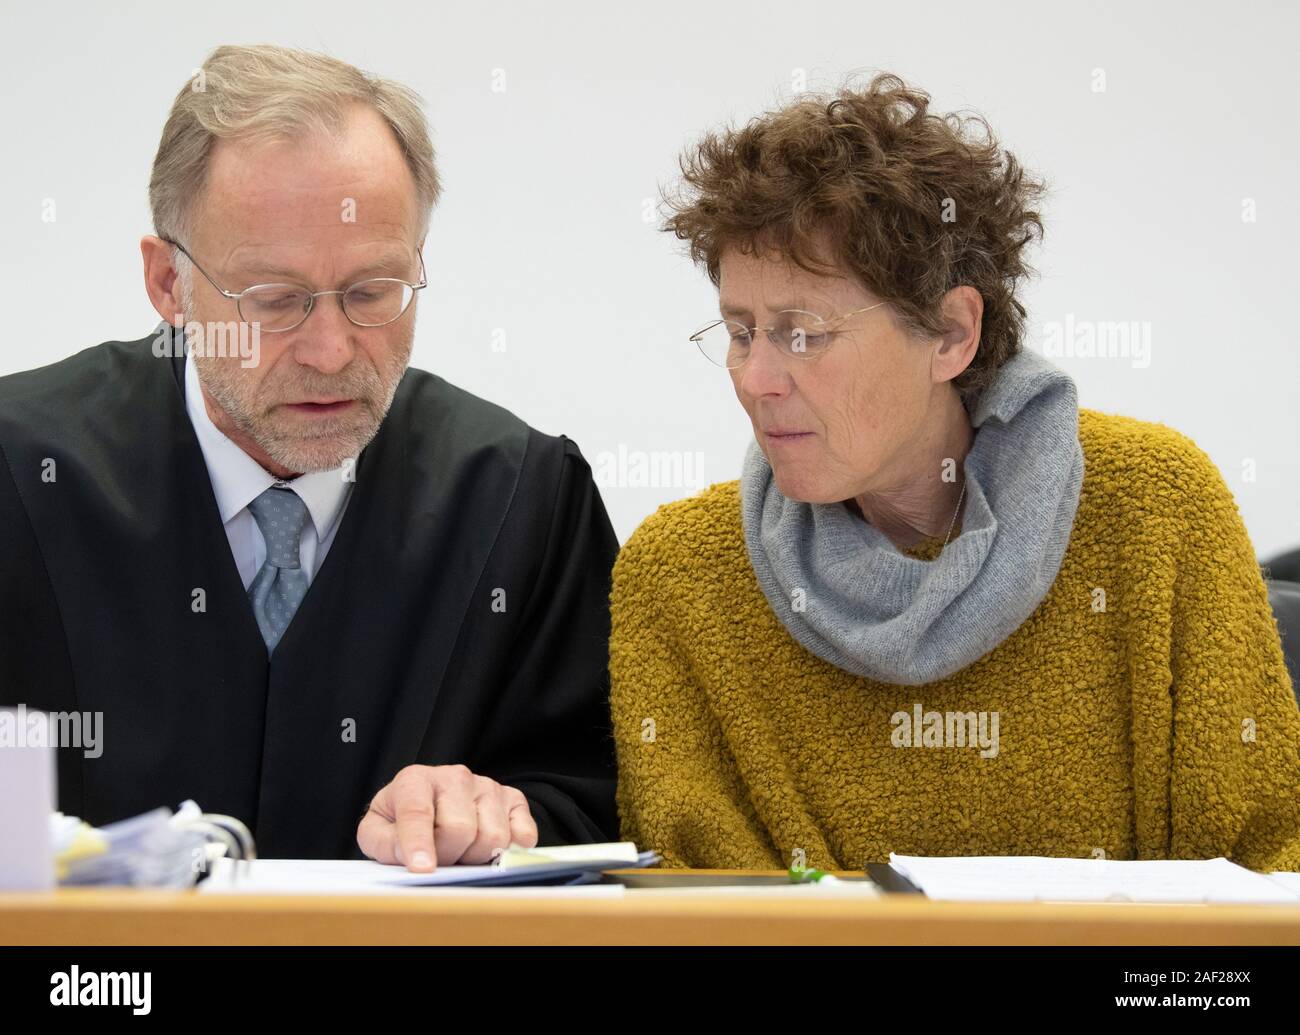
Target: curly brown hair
<point>911,203</point>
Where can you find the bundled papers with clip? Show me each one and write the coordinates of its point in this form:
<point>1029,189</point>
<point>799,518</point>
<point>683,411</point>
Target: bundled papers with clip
<point>156,849</point>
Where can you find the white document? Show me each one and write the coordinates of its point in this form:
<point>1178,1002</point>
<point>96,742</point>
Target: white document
<point>1290,881</point>
<point>26,801</point>
<point>352,877</point>
<point>610,851</point>
<point>1038,878</point>
<point>359,877</point>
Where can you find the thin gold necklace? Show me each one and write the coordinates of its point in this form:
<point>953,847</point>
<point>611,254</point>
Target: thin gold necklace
<point>955,512</point>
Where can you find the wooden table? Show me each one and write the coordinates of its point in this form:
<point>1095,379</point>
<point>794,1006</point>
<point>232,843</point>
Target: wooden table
<point>637,917</point>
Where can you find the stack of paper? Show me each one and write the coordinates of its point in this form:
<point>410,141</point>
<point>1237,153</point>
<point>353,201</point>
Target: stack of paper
<point>148,851</point>
<point>1035,878</point>
<point>566,865</point>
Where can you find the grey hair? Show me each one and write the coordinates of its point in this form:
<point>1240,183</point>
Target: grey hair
<point>274,93</point>
<point>185,274</point>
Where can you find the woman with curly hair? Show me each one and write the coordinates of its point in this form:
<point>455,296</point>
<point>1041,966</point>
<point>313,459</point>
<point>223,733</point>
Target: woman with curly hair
<point>944,610</point>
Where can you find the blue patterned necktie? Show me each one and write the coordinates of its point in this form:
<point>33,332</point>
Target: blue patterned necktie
<point>280,584</point>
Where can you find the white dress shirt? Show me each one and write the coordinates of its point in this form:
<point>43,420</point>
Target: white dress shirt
<point>237,479</point>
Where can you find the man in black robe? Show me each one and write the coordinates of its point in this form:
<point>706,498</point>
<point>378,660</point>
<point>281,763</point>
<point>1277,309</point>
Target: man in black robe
<point>304,584</point>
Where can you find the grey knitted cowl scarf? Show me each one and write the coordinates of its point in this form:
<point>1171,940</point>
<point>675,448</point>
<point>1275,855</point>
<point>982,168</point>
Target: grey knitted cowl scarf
<point>869,609</point>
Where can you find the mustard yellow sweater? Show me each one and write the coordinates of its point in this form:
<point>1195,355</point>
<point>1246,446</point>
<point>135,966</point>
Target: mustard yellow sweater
<point>1143,710</point>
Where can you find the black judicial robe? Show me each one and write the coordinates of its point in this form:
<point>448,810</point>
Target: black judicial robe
<point>455,500</point>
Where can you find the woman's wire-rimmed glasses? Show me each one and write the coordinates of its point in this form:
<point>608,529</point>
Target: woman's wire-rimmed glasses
<point>282,307</point>
<point>796,332</point>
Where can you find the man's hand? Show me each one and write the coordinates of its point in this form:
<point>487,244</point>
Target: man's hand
<point>444,814</point>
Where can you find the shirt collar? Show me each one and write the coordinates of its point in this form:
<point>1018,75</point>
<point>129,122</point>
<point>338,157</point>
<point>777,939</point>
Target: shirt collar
<point>237,479</point>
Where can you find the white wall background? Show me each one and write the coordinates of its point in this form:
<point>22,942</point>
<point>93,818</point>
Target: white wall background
<point>542,233</point>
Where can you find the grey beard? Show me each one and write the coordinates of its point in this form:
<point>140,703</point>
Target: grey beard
<point>303,454</point>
